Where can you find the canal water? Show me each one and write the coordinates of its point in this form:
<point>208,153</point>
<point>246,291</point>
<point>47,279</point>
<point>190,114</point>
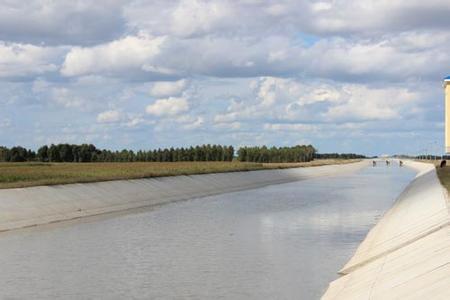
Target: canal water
<point>283,241</point>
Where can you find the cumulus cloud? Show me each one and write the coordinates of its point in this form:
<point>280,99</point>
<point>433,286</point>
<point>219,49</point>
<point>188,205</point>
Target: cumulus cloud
<point>288,38</point>
<point>290,101</point>
<point>168,107</point>
<point>125,56</point>
<point>228,126</point>
<point>285,71</point>
<point>109,116</point>
<point>390,58</point>
<point>270,41</point>
<point>158,58</point>
<point>192,17</point>
<point>179,123</point>
<point>385,60</point>
<point>373,17</point>
<point>25,60</point>
<point>190,122</point>
<point>5,123</point>
<point>61,22</point>
<point>168,88</point>
<point>64,97</point>
<point>134,121</point>
<point>83,94</point>
<point>291,127</point>
<point>185,18</point>
<point>347,17</point>
<point>365,104</point>
<point>265,42</point>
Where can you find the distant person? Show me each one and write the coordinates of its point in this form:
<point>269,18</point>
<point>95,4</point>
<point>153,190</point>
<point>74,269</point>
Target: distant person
<point>401,163</point>
<point>387,162</point>
<point>374,163</point>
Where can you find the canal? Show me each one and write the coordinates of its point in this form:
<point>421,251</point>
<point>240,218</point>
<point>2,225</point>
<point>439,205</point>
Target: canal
<point>283,241</point>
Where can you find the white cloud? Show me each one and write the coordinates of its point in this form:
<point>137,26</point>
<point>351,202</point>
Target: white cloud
<point>228,126</point>
<point>168,88</point>
<point>346,17</point>
<point>291,127</point>
<point>289,101</point>
<point>368,61</point>
<point>369,64</point>
<point>109,116</point>
<point>61,22</point>
<point>373,16</point>
<point>124,120</point>
<point>267,92</point>
<point>181,122</point>
<point>362,103</point>
<point>191,123</point>
<point>5,123</point>
<point>185,18</point>
<point>64,97</point>
<point>128,54</point>
<point>22,60</point>
<point>168,107</point>
<point>193,17</point>
<point>205,40</point>
<point>134,121</point>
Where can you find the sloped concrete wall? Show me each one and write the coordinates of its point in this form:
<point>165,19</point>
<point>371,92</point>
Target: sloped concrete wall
<point>407,254</point>
<point>45,204</point>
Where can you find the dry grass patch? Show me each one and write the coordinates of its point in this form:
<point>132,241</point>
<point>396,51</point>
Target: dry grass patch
<point>443,173</point>
<point>444,176</point>
<point>16,175</point>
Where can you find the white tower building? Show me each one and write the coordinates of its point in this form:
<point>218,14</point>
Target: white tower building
<point>447,114</point>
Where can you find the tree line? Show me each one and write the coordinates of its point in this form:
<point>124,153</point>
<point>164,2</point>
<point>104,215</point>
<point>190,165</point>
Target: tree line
<point>90,153</point>
<point>300,153</point>
<point>431,157</point>
<point>16,154</point>
<point>338,155</point>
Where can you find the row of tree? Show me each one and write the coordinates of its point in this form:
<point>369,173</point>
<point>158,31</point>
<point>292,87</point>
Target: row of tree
<point>89,153</point>
<point>338,155</point>
<point>16,154</point>
<point>300,153</point>
<point>431,157</point>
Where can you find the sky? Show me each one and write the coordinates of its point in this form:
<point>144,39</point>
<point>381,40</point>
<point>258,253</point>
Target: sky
<point>346,76</point>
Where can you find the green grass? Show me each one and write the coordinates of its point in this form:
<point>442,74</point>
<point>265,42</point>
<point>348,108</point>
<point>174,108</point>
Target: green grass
<point>16,175</point>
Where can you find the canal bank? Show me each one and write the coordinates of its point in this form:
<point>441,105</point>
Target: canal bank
<point>281,241</point>
<point>24,207</point>
<point>407,254</point>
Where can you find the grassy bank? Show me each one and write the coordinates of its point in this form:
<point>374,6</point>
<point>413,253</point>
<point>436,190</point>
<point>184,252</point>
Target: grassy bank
<point>14,175</point>
<point>444,176</point>
<point>443,173</point>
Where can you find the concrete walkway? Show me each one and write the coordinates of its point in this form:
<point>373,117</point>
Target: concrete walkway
<point>24,207</point>
<point>407,254</point>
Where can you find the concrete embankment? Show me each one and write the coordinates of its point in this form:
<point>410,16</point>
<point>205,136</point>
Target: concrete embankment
<point>407,254</point>
<point>24,207</point>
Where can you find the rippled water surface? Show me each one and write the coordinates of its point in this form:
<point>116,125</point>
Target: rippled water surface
<point>279,242</point>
